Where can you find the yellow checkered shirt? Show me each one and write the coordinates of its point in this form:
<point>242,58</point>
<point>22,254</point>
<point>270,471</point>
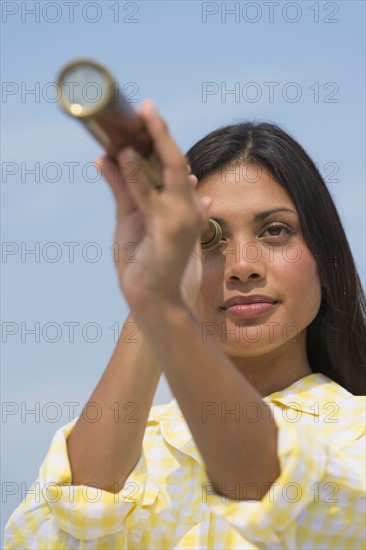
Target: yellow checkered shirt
<point>317,502</point>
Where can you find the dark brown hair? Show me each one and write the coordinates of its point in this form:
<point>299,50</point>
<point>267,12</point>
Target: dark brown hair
<point>336,338</point>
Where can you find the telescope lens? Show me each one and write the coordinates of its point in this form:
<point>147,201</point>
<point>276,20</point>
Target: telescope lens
<point>84,86</point>
<point>211,237</point>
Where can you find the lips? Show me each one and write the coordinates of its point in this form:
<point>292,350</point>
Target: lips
<point>252,299</point>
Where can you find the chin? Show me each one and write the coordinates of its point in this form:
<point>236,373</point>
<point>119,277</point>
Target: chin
<point>247,349</point>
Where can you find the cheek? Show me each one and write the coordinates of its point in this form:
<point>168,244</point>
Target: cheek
<point>301,282</point>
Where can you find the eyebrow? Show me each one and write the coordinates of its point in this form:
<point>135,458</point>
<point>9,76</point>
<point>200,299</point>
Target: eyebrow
<point>261,215</point>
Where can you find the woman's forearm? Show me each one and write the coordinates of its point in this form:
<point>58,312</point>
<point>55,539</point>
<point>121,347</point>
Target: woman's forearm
<point>209,388</point>
<point>103,453</point>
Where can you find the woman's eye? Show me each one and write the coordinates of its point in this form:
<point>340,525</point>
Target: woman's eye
<point>276,230</point>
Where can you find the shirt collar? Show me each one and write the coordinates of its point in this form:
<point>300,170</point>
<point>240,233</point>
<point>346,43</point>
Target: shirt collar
<point>308,394</point>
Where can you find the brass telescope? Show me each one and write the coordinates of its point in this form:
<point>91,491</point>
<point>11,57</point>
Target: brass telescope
<point>89,94</point>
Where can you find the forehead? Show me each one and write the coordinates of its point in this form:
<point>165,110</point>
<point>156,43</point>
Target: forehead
<point>244,185</point>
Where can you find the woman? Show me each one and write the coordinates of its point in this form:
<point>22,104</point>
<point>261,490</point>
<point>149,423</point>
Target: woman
<point>263,444</point>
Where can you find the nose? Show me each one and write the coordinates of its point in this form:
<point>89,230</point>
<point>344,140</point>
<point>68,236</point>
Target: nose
<point>244,262</point>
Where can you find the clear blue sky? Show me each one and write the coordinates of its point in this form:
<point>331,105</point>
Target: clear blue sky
<point>298,64</point>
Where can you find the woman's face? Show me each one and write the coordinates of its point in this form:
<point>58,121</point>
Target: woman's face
<point>262,252</point>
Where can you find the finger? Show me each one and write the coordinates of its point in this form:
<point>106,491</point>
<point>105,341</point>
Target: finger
<point>168,153</point>
<point>111,172</point>
<point>136,179</point>
<point>205,203</point>
<point>193,179</point>
<point>108,168</point>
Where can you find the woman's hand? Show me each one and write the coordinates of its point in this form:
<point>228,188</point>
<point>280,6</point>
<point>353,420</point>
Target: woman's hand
<point>164,227</point>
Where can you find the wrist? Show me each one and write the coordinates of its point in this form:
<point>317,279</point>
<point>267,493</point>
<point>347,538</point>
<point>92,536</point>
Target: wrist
<point>134,347</point>
<point>153,312</point>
